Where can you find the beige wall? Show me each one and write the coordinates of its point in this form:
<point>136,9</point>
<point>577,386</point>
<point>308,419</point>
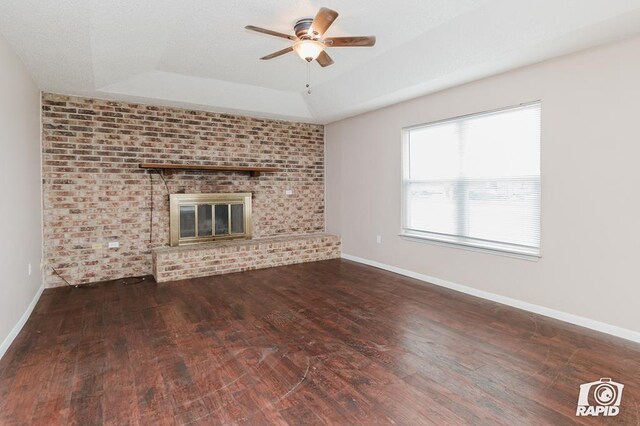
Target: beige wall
<point>20,215</point>
<point>590,186</point>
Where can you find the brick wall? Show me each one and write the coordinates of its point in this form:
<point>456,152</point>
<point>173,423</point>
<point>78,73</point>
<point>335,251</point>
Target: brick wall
<point>94,191</point>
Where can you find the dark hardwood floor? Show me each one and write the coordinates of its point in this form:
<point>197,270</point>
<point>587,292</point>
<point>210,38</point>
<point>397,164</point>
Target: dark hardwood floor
<point>327,342</point>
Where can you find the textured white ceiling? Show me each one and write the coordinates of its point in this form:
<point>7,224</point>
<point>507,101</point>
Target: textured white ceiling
<point>196,53</point>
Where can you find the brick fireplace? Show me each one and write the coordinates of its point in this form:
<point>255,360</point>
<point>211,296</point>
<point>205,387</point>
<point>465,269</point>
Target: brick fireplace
<point>95,193</point>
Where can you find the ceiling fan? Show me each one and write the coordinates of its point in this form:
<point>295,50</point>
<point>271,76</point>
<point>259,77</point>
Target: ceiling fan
<point>309,41</point>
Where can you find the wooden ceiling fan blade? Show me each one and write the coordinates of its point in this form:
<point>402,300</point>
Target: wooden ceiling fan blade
<point>278,53</point>
<point>323,20</point>
<point>269,32</point>
<point>324,59</point>
<point>366,41</point>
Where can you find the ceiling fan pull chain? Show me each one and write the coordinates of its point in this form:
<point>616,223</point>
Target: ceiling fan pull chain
<point>308,85</point>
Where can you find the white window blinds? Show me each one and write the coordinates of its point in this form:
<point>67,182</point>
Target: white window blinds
<point>475,180</point>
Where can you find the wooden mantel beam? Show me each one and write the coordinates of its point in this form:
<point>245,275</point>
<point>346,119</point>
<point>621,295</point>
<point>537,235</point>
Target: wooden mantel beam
<point>253,171</point>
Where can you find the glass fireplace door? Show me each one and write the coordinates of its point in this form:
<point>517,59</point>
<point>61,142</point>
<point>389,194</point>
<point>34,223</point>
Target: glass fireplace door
<point>198,218</point>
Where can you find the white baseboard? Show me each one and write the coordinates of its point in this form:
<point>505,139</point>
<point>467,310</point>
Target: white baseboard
<point>23,319</point>
<point>548,312</point>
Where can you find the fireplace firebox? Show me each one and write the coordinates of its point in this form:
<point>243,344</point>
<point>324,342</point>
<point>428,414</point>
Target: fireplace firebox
<point>199,218</point>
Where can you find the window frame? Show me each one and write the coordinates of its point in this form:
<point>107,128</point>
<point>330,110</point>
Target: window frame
<point>456,241</point>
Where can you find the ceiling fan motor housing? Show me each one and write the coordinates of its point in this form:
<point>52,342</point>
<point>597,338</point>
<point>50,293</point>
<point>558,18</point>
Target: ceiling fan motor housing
<point>302,27</point>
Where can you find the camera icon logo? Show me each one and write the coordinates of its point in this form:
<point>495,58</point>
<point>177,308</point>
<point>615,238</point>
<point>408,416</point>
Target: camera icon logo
<point>600,398</point>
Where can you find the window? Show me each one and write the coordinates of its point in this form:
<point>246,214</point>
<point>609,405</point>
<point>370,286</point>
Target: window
<point>475,180</point>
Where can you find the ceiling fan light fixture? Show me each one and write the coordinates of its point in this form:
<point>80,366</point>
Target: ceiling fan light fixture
<point>308,49</point>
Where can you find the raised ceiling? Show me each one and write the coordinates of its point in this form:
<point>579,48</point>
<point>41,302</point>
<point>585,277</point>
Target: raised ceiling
<point>196,53</point>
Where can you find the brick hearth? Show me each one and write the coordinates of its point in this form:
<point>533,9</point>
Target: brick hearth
<point>200,260</point>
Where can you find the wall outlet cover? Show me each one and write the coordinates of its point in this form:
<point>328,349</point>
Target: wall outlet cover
<point>114,244</point>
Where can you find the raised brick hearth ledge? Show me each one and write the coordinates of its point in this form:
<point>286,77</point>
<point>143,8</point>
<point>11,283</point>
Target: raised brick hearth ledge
<point>201,260</point>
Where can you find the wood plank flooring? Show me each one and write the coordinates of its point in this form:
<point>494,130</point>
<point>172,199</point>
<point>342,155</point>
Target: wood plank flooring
<point>330,342</point>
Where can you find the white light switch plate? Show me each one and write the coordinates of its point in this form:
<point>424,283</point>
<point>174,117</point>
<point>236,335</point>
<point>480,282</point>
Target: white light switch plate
<point>114,244</point>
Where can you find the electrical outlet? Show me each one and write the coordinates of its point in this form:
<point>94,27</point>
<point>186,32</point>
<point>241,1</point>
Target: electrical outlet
<point>114,244</point>
<point>379,239</point>
<point>288,192</point>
